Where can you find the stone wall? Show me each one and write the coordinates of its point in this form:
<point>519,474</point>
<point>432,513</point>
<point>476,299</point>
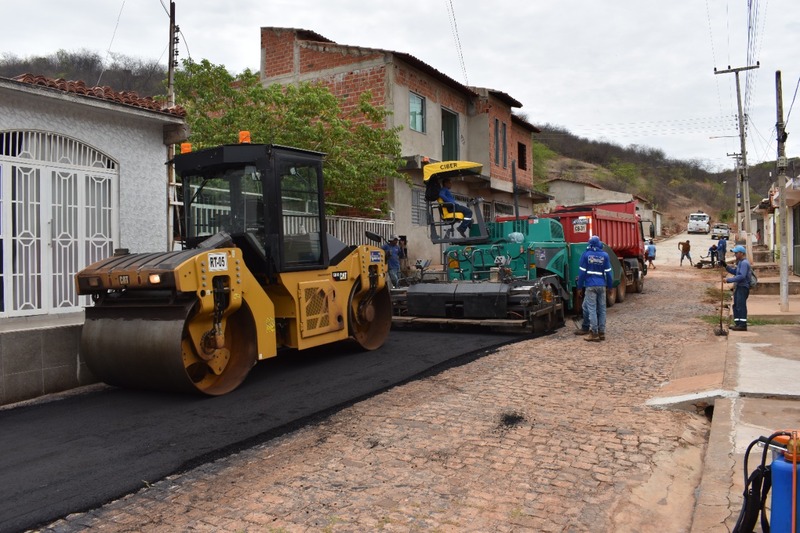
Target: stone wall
<point>37,362</point>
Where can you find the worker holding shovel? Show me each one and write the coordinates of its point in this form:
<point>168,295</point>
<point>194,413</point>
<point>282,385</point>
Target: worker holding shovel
<point>741,290</point>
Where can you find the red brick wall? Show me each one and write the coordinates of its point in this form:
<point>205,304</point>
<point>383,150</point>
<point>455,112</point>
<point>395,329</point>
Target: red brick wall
<point>349,87</point>
<point>425,86</point>
<point>278,46</point>
<point>279,53</point>
<point>514,135</point>
<point>521,135</point>
<point>317,56</point>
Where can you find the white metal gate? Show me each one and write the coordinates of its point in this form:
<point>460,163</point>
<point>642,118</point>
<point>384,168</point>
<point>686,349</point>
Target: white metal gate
<point>58,213</point>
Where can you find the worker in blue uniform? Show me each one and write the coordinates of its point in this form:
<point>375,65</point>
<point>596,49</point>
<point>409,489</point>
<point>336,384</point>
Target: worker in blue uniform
<point>594,279</point>
<point>393,253</point>
<point>446,196</point>
<point>741,291</point>
<point>722,249</point>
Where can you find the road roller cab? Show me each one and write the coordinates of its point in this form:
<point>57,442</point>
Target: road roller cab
<point>258,272</point>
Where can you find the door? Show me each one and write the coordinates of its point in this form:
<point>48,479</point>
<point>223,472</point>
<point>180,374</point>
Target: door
<point>449,135</point>
<point>58,209</point>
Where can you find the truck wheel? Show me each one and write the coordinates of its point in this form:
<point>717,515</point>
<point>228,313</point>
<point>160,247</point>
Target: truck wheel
<point>611,297</point>
<point>622,290</point>
<point>638,284</point>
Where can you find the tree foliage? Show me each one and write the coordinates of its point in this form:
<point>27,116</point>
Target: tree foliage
<point>360,157</point>
<point>541,153</point>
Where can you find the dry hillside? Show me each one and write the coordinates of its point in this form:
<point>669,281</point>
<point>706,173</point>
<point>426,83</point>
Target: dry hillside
<point>675,208</point>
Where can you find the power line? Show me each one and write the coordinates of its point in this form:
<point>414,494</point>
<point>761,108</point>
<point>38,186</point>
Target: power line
<point>712,124</point>
<point>454,28</point>
<point>754,38</point>
<point>713,52</point>
<point>792,104</point>
<point>113,34</point>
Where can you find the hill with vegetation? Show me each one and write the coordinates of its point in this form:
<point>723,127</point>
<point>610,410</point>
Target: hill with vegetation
<point>673,187</point>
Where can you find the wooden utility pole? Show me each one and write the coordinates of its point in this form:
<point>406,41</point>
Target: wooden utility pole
<point>784,220</point>
<point>745,180</point>
<point>172,196</point>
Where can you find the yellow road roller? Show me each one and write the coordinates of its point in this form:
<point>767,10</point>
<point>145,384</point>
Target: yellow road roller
<point>257,273</point>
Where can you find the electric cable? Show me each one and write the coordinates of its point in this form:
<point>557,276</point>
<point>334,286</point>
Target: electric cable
<point>454,28</point>
<point>713,52</point>
<point>113,35</point>
<point>792,104</point>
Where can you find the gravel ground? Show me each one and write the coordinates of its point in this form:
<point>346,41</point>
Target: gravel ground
<point>549,434</point>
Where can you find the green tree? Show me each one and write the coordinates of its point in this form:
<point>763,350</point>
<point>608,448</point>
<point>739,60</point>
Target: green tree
<point>625,171</point>
<point>541,154</point>
<point>362,154</point>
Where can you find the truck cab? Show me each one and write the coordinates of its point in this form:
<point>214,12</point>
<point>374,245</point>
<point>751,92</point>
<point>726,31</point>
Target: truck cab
<point>720,230</point>
<point>699,222</point>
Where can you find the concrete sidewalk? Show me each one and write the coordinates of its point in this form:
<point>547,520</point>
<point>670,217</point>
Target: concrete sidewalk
<point>753,384</point>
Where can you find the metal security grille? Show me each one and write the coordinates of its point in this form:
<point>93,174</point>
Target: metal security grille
<point>58,212</point>
<point>419,207</point>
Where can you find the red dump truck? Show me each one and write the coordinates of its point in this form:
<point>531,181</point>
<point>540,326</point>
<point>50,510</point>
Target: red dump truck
<point>618,226</point>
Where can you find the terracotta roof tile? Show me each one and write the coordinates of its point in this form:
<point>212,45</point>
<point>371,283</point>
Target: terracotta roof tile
<point>104,93</point>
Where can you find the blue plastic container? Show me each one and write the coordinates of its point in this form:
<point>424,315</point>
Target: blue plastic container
<point>781,514</point>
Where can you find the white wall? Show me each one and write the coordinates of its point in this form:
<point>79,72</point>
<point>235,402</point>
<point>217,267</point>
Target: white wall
<point>132,139</point>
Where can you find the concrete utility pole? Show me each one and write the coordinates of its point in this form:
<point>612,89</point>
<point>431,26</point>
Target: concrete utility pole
<point>784,220</point>
<point>745,181</point>
<point>737,204</point>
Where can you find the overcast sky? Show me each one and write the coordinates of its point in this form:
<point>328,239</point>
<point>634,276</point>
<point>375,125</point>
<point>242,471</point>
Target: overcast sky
<point>624,71</point>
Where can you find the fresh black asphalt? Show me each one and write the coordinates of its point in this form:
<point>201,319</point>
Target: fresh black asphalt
<point>79,452</point>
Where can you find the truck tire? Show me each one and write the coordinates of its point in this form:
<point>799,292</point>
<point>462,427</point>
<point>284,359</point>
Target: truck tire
<point>638,283</point>
<point>622,290</point>
<point>611,297</point>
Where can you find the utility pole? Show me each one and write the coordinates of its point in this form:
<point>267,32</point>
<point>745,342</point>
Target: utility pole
<point>745,181</point>
<point>737,204</point>
<point>784,220</point>
<point>172,195</point>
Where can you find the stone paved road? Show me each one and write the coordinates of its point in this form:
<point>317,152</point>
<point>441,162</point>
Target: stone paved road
<point>548,434</point>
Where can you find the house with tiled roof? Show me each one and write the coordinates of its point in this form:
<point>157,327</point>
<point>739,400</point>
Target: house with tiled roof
<point>82,172</point>
<point>572,190</point>
<point>441,120</point>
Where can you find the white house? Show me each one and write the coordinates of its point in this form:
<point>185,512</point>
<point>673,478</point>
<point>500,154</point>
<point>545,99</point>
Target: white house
<point>82,172</point>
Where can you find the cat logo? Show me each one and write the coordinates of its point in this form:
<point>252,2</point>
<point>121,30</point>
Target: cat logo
<point>340,276</point>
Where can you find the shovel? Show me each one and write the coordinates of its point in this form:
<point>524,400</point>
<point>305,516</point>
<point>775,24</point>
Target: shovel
<point>719,331</point>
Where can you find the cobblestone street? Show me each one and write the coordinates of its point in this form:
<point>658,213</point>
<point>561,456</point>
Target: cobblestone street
<point>548,434</point>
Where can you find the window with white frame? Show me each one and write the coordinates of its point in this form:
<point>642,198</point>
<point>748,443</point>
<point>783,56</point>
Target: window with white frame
<point>58,213</point>
<point>416,112</point>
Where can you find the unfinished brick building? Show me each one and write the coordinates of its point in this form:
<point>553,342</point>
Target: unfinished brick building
<point>441,120</point>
